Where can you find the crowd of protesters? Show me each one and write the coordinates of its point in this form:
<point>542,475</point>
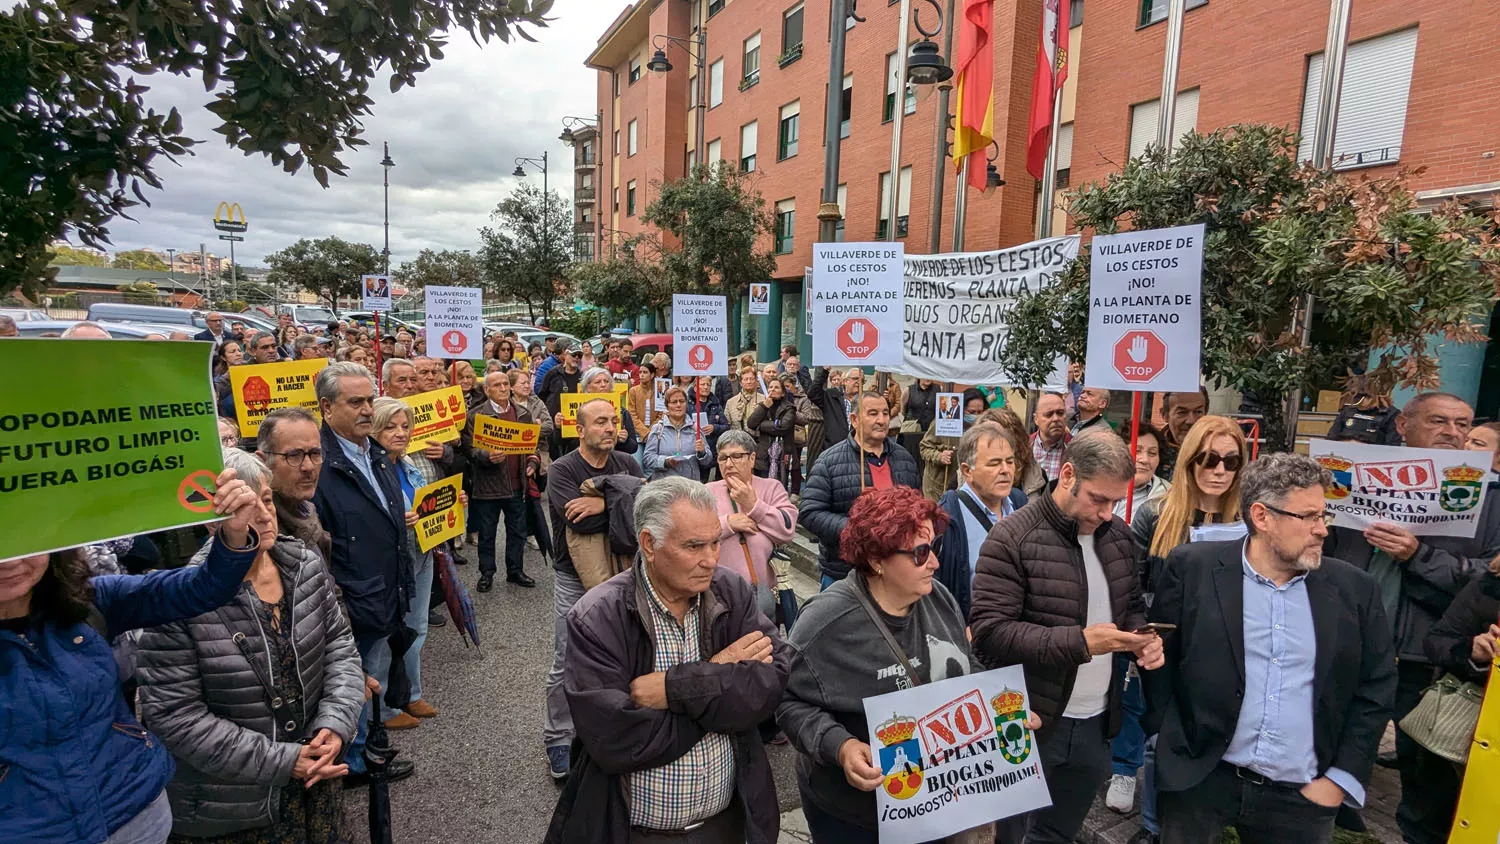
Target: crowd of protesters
<point>1195,637</point>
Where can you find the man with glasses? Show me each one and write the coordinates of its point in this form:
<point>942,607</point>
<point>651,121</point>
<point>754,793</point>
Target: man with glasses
<point>263,349</point>
<point>214,333</point>
<point>290,445</point>
<point>1417,578</point>
<point>1279,673</point>
<point>1055,590</point>
<point>359,503</point>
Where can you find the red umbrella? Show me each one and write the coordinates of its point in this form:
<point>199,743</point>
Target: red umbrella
<point>460,605</point>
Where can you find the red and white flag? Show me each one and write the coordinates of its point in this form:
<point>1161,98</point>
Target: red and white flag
<point>1047,83</point>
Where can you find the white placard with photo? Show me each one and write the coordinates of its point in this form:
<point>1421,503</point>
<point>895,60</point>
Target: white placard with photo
<point>760,298</point>
<point>375,292</point>
<point>950,415</point>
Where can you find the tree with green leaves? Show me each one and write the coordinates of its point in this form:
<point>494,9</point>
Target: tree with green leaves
<point>631,282</point>
<point>139,259</point>
<point>525,257</point>
<point>721,228</point>
<point>290,81</point>
<point>1385,279</point>
<point>451,267</point>
<point>329,268</point>
<point>63,255</point>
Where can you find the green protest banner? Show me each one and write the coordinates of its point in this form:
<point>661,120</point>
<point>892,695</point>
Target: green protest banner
<point>101,439</point>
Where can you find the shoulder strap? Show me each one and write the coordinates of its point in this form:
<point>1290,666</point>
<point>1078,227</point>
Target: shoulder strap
<point>281,708</point>
<point>885,632</point>
<point>745,548</point>
<point>984,516</point>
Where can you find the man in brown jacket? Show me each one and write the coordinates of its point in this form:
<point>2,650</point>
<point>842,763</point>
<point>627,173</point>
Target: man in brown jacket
<point>499,486</point>
<point>1055,590</point>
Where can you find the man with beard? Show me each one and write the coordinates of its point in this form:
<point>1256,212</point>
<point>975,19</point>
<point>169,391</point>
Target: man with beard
<point>1280,672</point>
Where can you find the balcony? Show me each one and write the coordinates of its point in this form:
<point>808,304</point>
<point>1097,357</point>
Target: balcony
<point>583,196</point>
<point>583,227</point>
<point>585,161</point>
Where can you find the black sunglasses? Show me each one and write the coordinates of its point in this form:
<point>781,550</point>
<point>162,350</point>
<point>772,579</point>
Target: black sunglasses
<point>1211,460</point>
<point>920,552</point>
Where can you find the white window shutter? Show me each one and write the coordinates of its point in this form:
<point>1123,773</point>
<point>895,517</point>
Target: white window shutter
<point>1143,120</point>
<point>1064,147</point>
<point>1184,115</point>
<point>1372,105</point>
<point>903,199</point>
<point>716,83</point>
<point>748,139</point>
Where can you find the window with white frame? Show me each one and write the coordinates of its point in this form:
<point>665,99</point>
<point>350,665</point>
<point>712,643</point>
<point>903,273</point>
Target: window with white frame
<point>888,110</point>
<point>788,130</point>
<point>630,136</point>
<point>1372,101</point>
<point>1144,117</point>
<point>712,154</point>
<point>716,83</point>
<point>786,225</point>
<point>748,141</point>
<point>751,71</point>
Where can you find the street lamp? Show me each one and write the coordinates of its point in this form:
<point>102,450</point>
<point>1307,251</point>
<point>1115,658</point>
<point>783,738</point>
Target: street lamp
<point>992,178</point>
<point>385,253</point>
<point>520,173</point>
<point>659,64</point>
<point>569,122</point>
<point>924,66</point>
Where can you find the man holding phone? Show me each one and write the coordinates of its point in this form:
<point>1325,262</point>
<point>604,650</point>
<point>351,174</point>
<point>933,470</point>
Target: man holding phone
<point>1055,590</point>
<point>1279,676</point>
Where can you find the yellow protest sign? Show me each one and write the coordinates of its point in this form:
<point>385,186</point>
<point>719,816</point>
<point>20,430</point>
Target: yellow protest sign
<point>505,437</point>
<point>568,404</point>
<point>1478,817</point>
<point>260,388</point>
<point>438,415</point>
<point>440,516</point>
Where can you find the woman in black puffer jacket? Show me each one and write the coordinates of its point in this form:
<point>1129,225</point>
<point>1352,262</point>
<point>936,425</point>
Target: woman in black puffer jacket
<point>774,424</point>
<point>233,694</point>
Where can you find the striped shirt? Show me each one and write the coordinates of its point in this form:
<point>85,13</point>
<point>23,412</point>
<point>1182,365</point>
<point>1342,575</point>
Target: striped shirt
<point>700,784</point>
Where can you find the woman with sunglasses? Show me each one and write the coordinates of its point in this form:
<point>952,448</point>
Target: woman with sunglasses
<point>839,657</point>
<point>1205,491</point>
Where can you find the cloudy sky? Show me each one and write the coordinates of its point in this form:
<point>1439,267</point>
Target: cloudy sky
<point>454,138</point>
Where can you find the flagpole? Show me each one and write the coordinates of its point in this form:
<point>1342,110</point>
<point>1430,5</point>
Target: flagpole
<point>1168,111</point>
<point>902,44</point>
<point>1049,175</point>
<point>940,139</point>
<point>960,206</point>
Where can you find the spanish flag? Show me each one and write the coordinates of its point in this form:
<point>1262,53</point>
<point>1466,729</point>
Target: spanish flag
<point>1047,83</point>
<point>974,120</point>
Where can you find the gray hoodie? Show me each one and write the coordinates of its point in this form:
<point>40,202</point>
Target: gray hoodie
<point>838,660</point>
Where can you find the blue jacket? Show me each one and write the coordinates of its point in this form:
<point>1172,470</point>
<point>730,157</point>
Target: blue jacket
<point>75,764</point>
<point>541,372</point>
<point>955,569</point>
<point>666,441</point>
<point>370,561</point>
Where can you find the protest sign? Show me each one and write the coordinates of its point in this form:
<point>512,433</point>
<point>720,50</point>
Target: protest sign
<point>760,299</point>
<point>1145,310</point>
<point>950,415</point>
<point>807,297</point>
<point>260,388</point>
<point>957,309</point>
<point>700,335</point>
<point>661,385</point>
<point>956,754</point>
<point>570,402</point>
<point>1478,818</point>
<point>437,415</point>
<point>856,304</point>
<point>1428,491</point>
<point>440,515</point>
<point>503,436</point>
<point>103,439</point>
<point>455,322</point>
<point>375,292</point>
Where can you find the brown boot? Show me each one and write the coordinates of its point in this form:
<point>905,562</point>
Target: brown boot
<point>402,722</point>
<point>421,709</point>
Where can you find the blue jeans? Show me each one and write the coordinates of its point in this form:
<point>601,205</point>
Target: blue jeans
<point>486,513</point>
<point>151,825</point>
<point>416,619</point>
<point>1134,751</point>
<point>370,649</point>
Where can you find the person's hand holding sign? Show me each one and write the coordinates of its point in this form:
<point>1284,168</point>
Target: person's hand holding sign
<point>854,758</point>
<point>235,499</point>
<point>433,451</point>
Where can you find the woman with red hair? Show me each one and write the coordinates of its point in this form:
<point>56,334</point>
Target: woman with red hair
<point>840,655</point>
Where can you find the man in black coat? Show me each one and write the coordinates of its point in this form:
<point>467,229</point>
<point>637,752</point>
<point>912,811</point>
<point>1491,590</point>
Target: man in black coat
<point>359,502</point>
<point>214,333</point>
<point>845,470</point>
<point>1280,673</point>
<point>670,670</point>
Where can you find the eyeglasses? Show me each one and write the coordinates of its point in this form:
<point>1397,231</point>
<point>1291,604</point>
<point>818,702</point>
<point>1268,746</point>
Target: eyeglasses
<point>1324,516</point>
<point>300,458</point>
<point>919,553</point>
<point>739,455</point>
<point>229,440</point>
<point>1210,460</point>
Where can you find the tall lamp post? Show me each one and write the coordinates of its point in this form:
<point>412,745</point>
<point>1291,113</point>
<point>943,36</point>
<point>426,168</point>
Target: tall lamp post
<point>659,64</point>
<point>520,173</point>
<point>923,66</point>
<point>385,253</point>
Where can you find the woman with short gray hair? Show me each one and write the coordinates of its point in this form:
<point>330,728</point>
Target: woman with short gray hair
<point>256,700</point>
<point>755,515</point>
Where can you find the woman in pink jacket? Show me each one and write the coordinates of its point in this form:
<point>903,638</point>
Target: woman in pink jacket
<point>755,515</point>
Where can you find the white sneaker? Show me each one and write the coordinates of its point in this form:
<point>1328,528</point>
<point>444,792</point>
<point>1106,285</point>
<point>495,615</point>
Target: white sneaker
<point>1121,796</point>
<point>531,543</point>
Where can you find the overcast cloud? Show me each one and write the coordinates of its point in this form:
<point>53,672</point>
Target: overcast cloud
<point>454,138</point>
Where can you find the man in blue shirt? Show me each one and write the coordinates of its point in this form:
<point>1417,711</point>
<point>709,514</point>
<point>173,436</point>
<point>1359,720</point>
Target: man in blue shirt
<point>1280,672</point>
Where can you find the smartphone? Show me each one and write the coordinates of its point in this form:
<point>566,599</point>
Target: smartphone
<point>1158,628</point>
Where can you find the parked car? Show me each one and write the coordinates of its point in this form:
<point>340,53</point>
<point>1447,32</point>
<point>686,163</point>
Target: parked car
<point>24,314</point>
<point>121,312</point>
<point>366,319</point>
<point>643,346</point>
<point>252,320</point>
<point>540,335</point>
<point>308,316</point>
<point>117,330</point>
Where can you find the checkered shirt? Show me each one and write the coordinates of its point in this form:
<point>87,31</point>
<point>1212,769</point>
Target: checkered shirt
<point>700,784</point>
<point>1050,459</point>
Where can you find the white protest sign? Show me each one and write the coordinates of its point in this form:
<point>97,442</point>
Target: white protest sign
<point>807,301</point>
<point>957,308</point>
<point>950,415</point>
<point>455,322</point>
<point>1145,310</point>
<point>1428,491</point>
<point>956,754</point>
<point>700,335</point>
<point>375,292</point>
<point>856,304</point>
<point>760,298</point>
<point>659,389</point>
